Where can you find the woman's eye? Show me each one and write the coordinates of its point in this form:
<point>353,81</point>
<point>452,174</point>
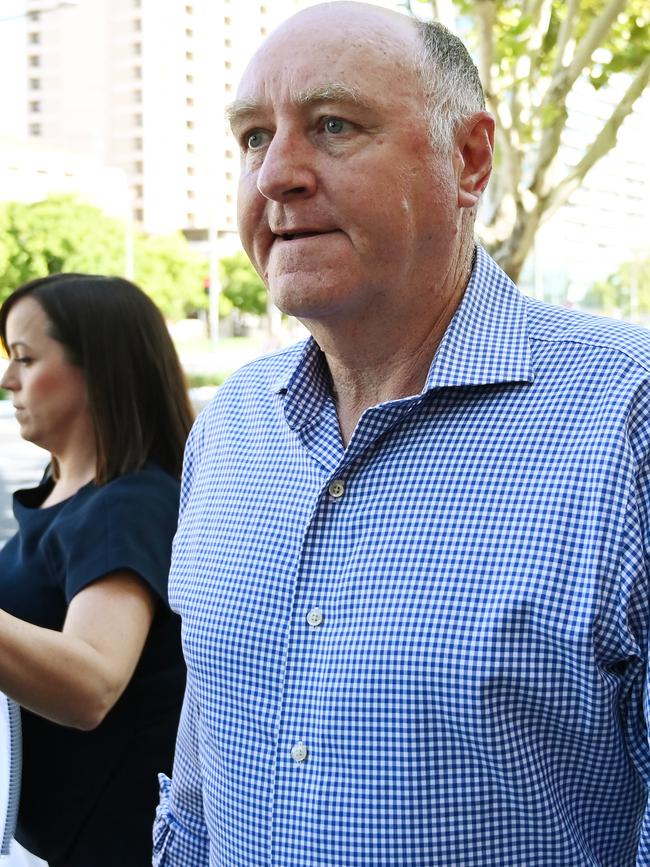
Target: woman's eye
<point>334,125</point>
<point>24,359</point>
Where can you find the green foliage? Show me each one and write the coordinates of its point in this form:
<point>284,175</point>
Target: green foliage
<point>625,293</point>
<point>62,233</point>
<point>241,284</point>
<point>54,235</point>
<point>171,273</point>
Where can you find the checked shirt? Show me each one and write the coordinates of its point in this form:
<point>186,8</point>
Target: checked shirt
<point>428,649</point>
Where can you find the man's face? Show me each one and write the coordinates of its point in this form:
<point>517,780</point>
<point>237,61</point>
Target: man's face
<point>345,209</point>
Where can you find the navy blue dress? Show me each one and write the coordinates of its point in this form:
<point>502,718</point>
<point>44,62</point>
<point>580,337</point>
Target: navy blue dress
<point>88,798</point>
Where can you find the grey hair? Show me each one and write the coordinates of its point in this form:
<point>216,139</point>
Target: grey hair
<point>450,79</point>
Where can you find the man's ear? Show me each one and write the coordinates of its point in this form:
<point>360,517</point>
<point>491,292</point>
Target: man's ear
<point>475,142</point>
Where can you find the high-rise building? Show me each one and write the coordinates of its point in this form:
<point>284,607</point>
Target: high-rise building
<point>142,85</point>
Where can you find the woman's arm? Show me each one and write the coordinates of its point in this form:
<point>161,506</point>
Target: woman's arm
<point>74,677</point>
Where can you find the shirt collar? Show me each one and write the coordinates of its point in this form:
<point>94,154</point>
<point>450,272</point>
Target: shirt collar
<point>485,343</point>
<point>487,339</point>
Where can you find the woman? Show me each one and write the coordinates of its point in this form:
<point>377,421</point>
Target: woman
<point>88,644</point>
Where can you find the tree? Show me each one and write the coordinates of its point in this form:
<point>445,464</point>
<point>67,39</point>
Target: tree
<point>171,273</point>
<point>61,233</point>
<point>241,284</point>
<point>54,235</point>
<point>531,56</point>
<point>625,293</point>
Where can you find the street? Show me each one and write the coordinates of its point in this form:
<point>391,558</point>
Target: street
<point>21,465</point>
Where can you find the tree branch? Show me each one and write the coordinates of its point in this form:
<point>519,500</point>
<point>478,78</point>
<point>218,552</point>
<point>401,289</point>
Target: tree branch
<point>599,29</point>
<point>567,29</point>
<point>485,18</point>
<point>602,144</point>
<point>562,83</point>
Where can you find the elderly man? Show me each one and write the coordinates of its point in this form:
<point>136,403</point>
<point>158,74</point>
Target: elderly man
<point>412,553</point>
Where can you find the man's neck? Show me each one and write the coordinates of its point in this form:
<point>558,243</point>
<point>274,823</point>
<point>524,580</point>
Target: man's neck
<point>373,369</point>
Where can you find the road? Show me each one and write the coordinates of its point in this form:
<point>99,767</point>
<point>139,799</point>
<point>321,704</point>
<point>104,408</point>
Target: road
<point>21,466</point>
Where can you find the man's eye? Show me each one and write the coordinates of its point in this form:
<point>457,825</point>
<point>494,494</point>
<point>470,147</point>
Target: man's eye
<point>334,125</point>
<point>255,139</point>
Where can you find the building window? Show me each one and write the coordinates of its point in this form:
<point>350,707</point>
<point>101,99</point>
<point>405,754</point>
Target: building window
<point>190,170</point>
<point>137,119</point>
<point>227,64</point>
<point>229,199</point>
<point>34,16</point>
<point>263,10</point>
<point>227,21</point>
<point>189,55</point>
<point>189,102</point>
<point>137,24</point>
<point>190,219</point>
<point>138,190</point>
<point>189,124</point>
<point>35,83</point>
<point>189,147</point>
<point>228,87</point>
<point>137,143</point>
<point>34,60</point>
<point>229,176</point>
<point>34,129</point>
<point>189,10</point>
<point>137,48</point>
<point>139,214</point>
<point>189,32</point>
<point>137,72</point>
<point>190,194</point>
<point>137,96</point>
<point>264,31</point>
<point>34,38</point>
<point>34,105</point>
<point>228,154</point>
<point>137,167</point>
<point>227,43</point>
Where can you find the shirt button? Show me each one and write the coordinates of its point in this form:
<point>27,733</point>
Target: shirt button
<point>299,752</point>
<point>315,618</point>
<point>337,488</point>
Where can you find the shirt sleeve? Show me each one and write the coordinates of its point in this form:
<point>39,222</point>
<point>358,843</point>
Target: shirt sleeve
<point>635,599</point>
<point>180,836</point>
<point>125,525</point>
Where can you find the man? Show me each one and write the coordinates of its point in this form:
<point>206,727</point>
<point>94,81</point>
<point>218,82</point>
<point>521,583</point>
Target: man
<point>412,553</point>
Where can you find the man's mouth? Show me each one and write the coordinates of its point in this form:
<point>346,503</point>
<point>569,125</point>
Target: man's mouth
<point>293,236</point>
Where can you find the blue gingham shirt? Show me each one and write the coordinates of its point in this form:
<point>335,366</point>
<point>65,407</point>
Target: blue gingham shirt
<point>427,649</point>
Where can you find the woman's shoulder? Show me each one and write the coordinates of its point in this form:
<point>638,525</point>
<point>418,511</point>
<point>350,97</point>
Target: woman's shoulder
<point>142,497</point>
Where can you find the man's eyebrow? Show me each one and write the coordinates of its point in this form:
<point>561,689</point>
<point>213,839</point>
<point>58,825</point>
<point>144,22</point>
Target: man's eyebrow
<point>335,92</point>
<point>241,109</point>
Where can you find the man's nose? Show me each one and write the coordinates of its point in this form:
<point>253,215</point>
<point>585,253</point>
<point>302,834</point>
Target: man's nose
<point>287,170</point>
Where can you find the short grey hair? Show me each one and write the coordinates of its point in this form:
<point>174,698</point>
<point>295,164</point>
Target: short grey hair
<point>450,79</point>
